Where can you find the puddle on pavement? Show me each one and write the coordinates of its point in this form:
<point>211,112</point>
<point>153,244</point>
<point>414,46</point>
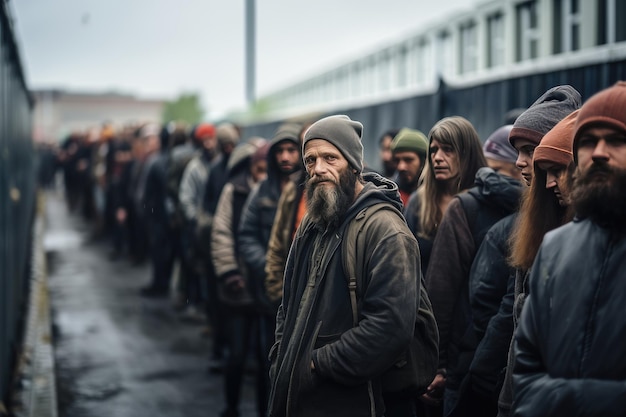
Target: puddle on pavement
<point>58,240</point>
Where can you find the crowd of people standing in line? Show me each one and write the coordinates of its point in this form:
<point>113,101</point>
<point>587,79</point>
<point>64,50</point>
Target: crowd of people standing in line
<point>526,316</point>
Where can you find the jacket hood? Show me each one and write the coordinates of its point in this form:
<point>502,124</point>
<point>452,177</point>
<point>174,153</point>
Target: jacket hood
<point>496,189</point>
<point>288,132</point>
<point>376,189</point>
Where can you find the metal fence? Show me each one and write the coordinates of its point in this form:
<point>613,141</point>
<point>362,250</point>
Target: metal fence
<point>17,199</point>
<point>484,105</point>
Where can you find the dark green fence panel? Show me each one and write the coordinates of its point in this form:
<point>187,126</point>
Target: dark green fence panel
<point>17,200</point>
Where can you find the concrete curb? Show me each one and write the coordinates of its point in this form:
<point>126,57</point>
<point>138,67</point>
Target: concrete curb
<point>36,370</point>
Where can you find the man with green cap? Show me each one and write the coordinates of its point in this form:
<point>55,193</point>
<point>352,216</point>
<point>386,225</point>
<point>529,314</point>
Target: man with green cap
<point>409,149</point>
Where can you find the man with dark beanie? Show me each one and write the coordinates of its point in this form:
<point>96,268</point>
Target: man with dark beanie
<point>569,356</point>
<point>327,359</point>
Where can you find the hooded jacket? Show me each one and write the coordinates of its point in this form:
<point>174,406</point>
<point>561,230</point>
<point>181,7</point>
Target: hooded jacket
<point>314,321</point>
<point>454,248</point>
<point>258,217</point>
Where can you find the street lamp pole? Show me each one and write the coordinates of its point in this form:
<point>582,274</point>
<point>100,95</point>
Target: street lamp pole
<point>250,51</point>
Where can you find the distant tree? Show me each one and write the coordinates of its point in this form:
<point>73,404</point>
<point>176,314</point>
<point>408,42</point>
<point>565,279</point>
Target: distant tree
<point>186,108</point>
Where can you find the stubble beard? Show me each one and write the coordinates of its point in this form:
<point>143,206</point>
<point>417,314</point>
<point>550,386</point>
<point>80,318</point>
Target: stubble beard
<point>600,195</point>
<point>326,205</point>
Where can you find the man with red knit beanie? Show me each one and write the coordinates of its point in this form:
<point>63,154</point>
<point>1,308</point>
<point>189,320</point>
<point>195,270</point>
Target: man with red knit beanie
<point>569,356</point>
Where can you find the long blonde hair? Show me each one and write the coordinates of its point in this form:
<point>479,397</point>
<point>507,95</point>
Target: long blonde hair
<point>458,133</point>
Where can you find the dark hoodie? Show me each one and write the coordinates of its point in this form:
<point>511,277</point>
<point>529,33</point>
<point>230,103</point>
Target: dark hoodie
<point>314,321</point>
<point>258,216</point>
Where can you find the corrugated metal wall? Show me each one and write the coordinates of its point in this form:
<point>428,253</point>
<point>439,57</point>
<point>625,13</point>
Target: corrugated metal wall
<point>17,199</point>
<point>484,105</point>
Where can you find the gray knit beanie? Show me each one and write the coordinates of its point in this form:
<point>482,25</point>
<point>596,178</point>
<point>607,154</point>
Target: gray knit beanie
<point>342,132</point>
<point>545,113</point>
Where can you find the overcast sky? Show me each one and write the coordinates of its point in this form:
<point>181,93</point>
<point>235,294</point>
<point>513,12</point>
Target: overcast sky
<point>162,48</point>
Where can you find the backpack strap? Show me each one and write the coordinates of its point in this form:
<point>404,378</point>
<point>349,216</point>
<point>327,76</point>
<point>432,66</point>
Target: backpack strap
<point>352,252</point>
<point>480,217</point>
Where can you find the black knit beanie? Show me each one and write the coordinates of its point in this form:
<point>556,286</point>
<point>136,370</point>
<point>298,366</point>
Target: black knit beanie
<point>342,132</point>
<point>545,113</point>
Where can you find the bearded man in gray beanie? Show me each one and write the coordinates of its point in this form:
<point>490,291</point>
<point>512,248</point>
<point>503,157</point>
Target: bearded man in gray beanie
<point>328,358</point>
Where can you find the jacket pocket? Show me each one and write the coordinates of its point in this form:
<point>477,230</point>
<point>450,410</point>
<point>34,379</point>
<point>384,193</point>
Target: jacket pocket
<point>310,376</point>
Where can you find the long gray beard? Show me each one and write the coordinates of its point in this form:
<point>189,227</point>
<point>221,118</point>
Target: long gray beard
<point>326,206</point>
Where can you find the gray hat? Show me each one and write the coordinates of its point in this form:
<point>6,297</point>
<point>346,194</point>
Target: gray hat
<point>545,113</point>
<point>345,134</point>
<point>287,131</point>
<point>498,147</point>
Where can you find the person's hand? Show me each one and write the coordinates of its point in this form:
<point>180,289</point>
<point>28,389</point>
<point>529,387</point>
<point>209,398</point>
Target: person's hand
<point>120,215</point>
<point>434,392</point>
<point>235,283</point>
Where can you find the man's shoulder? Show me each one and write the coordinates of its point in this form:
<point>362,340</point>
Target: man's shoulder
<point>382,219</point>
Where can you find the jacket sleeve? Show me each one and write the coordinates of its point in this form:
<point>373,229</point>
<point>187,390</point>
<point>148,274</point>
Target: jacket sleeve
<point>537,392</point>
<point>450,262</point>
<point>388,308</point>
<point>488,279</point>
<point>222,236</point>
<point>251,245</point>
<point>191,189</point>
<point>278,246</point>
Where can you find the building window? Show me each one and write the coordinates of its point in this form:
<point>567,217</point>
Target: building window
<point>402,67</point>
<point>469,48</point>
<point>527,31</point>
<point>424,59</point>
<point>566,25</point>
<point>611,15</point>
<point>445,57</point>
<point>495,40</point>
<point>384,73</point>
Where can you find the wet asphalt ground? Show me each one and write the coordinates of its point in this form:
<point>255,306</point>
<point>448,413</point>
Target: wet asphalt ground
<point>118,354</point>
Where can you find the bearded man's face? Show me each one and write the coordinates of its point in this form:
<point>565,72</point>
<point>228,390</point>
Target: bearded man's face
<point>330,185</point>
<point>329,200</point>
<point>600,180</point>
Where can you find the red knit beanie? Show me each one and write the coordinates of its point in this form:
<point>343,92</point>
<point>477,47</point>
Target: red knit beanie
<point>556,145</point>
<point>605,108</point>
<point>204,129</point>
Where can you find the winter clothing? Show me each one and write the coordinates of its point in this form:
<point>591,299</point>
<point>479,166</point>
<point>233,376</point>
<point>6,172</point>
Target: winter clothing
<point>203,130</point>
<point>545,113</point>
<point>569,343</point>
<point>411,214</point>
<point>150,129</point>
<point>342,132</point>
<point>410,140</point>
<point>458,238</point>
<point>498,147</point>
<point>192,185</point>
<point>281,237</point>
<point>227,134</point>
<point>605,107</point>
<point>259,212</point>
<point>314,322</point>
<point>491,290</point>
<point>556,145</point>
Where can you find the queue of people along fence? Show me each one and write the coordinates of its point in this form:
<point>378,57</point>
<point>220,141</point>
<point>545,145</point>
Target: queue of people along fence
<point>489,273</point>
